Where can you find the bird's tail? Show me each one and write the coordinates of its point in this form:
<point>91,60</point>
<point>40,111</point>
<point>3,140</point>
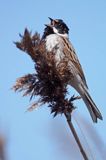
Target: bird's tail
<point>94,111</point>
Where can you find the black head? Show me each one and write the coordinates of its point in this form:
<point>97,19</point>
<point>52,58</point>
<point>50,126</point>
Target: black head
<point>59,26</point>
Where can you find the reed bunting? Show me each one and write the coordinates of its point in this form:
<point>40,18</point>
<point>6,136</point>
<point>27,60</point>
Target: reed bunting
<point>56,37</point>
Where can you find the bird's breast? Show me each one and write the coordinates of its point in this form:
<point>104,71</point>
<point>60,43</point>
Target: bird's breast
<point>54,43</point>
<point>51,42</point>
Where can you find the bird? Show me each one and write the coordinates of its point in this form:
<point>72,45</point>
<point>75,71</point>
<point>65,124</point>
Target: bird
<point>56,37</point>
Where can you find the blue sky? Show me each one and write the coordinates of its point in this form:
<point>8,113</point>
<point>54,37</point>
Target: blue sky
<point>36,135</point>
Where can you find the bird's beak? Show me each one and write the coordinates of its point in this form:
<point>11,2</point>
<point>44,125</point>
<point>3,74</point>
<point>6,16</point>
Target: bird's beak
<point>49,25</point>
<point>53,21</point>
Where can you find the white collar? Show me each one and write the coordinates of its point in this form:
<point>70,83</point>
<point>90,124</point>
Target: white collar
<point>62,35</point>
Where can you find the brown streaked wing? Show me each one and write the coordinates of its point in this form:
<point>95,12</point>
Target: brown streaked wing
<point>71,54</point>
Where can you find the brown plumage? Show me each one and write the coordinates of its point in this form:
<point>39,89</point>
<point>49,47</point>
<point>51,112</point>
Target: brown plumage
<point>69,51</point>
<point>59,43</point>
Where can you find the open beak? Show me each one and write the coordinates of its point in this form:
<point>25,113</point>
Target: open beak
<point>53,21</point>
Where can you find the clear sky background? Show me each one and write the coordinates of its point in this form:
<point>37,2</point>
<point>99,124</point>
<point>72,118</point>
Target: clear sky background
<point>36,135</point>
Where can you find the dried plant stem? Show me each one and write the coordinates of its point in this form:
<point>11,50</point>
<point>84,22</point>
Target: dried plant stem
<point>76,136</point>
<point>49,82</point>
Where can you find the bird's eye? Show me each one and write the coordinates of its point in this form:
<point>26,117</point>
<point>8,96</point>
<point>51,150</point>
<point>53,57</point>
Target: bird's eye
<point>59,24</point>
